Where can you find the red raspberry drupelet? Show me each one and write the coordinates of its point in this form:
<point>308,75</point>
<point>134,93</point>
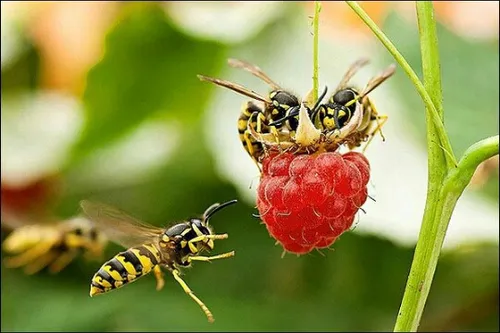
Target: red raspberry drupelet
<point>307,201</point>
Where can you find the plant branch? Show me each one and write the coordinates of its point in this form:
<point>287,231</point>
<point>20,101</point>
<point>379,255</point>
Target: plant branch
<point>436,117</point>
<point>479,152</point>
<point>429,242</point>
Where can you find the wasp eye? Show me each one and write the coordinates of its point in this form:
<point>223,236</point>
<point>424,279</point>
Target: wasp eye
<point>78,231</point>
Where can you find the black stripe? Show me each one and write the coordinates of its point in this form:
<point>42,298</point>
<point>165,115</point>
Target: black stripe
<point>118,267</point>
<point>145,252</point>
<point>130,257</point>
<point>105,276</point>
<point>97,285</point>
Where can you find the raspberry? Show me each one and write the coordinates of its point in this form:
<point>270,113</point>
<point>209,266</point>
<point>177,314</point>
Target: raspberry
<point>308,201</point>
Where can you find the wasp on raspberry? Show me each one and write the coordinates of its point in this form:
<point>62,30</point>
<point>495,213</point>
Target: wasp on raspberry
<point>349,113</point>
<point>346,100</point>
<point>279,104</point>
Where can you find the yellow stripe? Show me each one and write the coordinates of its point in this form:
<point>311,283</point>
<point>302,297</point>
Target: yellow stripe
<point>100,281</point>
<point>147,264</point>
<point>242,124</point>
<point>114,274</point>
<point>154,251</point>
<point>128,266</point>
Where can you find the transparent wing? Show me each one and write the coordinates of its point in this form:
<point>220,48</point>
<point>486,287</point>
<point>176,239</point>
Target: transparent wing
<point>120,227</point>
<point>378,80</point>
<point>235,87</point>
<point>353,69</point>
<point>254,70</point>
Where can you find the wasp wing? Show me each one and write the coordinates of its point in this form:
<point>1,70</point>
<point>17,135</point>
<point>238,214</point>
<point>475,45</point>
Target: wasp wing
<point>118,226</point>
<point>254,70</point>
<point>235,87</point>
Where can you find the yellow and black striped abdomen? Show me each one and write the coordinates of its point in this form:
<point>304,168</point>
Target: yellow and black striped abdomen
<point>250,112</point>
<point>125,267</point>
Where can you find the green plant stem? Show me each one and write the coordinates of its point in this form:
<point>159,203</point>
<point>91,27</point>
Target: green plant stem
<point>447,179</point>
<point>433,233</point>
<point>317,9</point>
<point>433,229</point>
<point>436,117</point>
<point>479,152</point>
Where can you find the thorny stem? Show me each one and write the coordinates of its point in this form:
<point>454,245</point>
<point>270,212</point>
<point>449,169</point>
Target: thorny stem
<point>317,9</point>
<point>447,179</point>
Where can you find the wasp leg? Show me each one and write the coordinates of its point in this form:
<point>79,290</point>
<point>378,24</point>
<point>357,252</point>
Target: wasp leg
<point>29,255</point>
<point>377,118</point>
<point>262,124</point>
<point>160,281</point>
<point>209,239</point>
<point>250,147</point>
<point>209,258</point>
<point>259,126</point>
<point>381,119</point>
<point>206,237</point>
<point>39,264</point>
<point>62,261</point>
<point>248,110</point>
<point>188,291</point>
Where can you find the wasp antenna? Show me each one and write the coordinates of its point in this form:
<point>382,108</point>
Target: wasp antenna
<point>320,98</point>
<point>216,207</point>
<point>318,104</point>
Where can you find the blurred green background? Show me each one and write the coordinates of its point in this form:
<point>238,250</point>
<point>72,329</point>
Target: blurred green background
<point>135,128</point>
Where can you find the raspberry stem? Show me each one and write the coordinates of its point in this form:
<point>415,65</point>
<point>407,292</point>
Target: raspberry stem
<point>317,9</point>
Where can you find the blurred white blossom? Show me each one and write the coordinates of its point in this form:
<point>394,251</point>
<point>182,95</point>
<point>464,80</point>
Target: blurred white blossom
<point>226,22</point>
<point>38,131</point>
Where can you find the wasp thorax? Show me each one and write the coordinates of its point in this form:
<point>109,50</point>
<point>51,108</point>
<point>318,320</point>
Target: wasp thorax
<point>177,229</point>
<point>344,96</point>
<point>282,101</point>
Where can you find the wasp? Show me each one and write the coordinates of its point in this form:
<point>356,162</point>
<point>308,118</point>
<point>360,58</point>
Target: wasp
<point>346,100</point>
<point>253,118</point>
<point>52,245</point>
<point>349,112</point>
<point>151,247</point>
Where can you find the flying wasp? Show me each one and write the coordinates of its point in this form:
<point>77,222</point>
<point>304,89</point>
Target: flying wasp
<point>253,118</point>
<point>52,245</point>
<point>150,248</point>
